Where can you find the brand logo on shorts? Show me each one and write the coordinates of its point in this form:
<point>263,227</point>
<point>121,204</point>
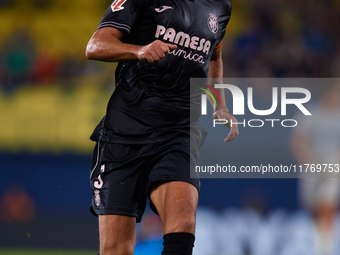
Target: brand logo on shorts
<point>212,23</point>
<point>97,200</point>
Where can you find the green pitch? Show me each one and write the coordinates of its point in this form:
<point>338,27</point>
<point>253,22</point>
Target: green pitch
<point>45,252</point>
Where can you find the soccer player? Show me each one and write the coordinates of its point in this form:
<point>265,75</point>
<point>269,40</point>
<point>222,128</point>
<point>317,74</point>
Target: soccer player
<point>143,142</point>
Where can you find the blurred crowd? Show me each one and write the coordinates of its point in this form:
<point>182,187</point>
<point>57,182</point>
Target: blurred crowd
<point>273,38</point>
<point>237,231</point>
<point>40,47</point>
<point>285,38</point>
<point>245,232</point>
<point>23,63</point>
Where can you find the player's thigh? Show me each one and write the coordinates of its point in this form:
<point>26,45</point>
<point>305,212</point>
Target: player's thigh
<point>117,234</point>
<point>176,204</point>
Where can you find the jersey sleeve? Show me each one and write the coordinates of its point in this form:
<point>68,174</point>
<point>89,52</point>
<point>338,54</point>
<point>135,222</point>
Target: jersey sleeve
<point>225,23</point>
<point>122,14</point>
<point>218,46</point>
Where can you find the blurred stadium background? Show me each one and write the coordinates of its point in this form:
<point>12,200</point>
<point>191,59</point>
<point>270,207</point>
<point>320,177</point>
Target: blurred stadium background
<point>51,98</point>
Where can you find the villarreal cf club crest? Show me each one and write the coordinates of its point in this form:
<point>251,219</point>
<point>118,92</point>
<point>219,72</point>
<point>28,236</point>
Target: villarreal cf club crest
<point>97,198</point>
<point>212,23</point>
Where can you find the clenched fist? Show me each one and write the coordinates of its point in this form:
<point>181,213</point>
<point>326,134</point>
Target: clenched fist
<point>155,51</point>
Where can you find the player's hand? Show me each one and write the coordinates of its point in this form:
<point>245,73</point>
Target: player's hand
<point>225,115</point>
<point>155,51</point>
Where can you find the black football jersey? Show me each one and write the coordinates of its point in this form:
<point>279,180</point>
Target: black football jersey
<point>151,102</point>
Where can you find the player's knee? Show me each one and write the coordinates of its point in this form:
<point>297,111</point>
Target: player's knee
<point>185,223</point>
<point>188,225</point>
<point>117,249</point>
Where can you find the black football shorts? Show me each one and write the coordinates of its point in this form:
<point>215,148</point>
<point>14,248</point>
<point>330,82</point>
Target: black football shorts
<point>123,175</point>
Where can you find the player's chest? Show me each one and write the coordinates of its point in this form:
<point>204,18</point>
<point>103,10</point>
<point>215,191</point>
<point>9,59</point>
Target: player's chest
<point>187,22</point>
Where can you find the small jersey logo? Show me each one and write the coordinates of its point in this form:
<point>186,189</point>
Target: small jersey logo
<point>212,23</point>
<point>97,200</point>
<point>117,5</point>
<point>163,8</point>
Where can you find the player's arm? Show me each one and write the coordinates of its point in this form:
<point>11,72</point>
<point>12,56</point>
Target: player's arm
<point>220,110</point>
<point>106,45</point>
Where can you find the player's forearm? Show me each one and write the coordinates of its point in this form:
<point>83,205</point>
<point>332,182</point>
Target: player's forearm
<point>218,105</point>
<point>106,45</point>
<point>216,77</point>
<point>110,49</point>
<point>221,93</point>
